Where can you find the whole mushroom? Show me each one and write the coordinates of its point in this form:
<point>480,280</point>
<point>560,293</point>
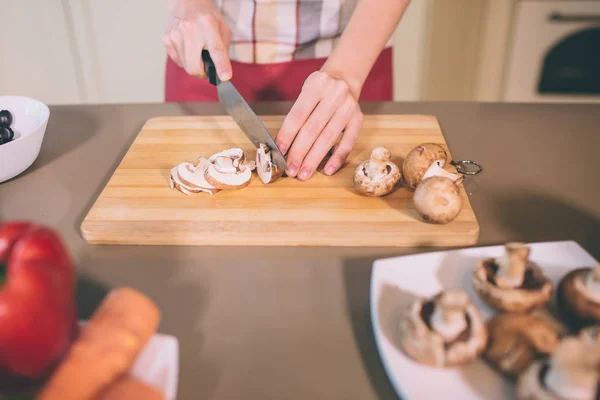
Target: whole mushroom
<point>425,161</point>
<point>267,170</point>
<point>437,200</point>
<point>443,331</point>
<point>578,297</point>
<point>377,176</point>
<point>512,283</point>
<point>516,340</point>
<point>229,170</point>
<point>572,372</point>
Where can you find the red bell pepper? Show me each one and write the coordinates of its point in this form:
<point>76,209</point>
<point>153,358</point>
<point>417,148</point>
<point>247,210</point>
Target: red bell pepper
<point>38,315</point>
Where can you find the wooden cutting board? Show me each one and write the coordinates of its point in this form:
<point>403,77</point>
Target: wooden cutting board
<point>137,205</point>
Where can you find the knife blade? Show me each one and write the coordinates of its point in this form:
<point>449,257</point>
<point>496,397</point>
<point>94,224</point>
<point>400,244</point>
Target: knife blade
<point>242,113</point>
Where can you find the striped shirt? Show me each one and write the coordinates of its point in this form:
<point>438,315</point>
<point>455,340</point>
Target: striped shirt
<point>273,31</point>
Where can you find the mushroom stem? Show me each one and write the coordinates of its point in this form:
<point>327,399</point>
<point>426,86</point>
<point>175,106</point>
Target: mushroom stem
<point>437,169</point>
<point>448,317</point>
<point>511,267</point>
<point>377,168</point>
<point>592,284</point>
<point>226,165</point>
<point>574,370</point>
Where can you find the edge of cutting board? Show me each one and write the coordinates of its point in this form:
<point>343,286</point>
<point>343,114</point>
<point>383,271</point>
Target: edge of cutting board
<point>465,238</point>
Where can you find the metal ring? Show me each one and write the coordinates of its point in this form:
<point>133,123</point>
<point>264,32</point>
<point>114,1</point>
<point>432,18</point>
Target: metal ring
<point>459,167</point>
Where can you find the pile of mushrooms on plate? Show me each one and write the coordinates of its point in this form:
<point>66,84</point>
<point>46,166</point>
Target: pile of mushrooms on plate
<point>225,170</point>
<point>436,196</point>
<point>547,357</point>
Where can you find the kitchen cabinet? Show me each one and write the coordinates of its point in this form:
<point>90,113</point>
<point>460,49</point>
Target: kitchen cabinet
<point>39,56</point>
<point>121,51</point>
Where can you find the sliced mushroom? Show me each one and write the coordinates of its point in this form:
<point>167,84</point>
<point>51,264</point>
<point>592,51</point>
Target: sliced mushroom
<point>189,179</point>
<point>512,283</point>
<point>443,331</point>
<point>267,170</point>
<point>579,297</point>
<point>518,339</point>
<point>229,170</point>
<point>377,176</point>
<point>437,200</point>
<point>425,161</point>
<point>572,372</point>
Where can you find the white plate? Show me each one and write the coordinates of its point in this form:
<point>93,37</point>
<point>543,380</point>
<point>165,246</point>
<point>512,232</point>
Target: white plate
<point>158,364</point>
<point>397,281</point>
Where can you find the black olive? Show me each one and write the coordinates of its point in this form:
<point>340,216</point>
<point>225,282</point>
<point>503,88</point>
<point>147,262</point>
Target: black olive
<point>6,118</point>
<point>6,134</point>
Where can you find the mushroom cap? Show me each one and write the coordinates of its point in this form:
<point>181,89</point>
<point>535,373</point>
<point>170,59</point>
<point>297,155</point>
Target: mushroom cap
<point>418,161</point>
<point>437,200</point>
<point>518,339</point>
<point>267,170</point>
<point>529,385</point>
<point>576,308</point>
<point>368,186</point>
<point>535,293</point>
<point>427,346</point>
<point>572,371</point>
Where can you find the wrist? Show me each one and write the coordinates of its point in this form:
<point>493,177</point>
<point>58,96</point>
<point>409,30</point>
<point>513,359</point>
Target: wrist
<point>355,83</point>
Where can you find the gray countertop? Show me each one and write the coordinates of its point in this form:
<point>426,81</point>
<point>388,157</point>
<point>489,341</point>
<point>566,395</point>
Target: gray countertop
<point>288,323</point>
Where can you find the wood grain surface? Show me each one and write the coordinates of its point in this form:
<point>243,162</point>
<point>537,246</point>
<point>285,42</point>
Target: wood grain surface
<point>138,207</point>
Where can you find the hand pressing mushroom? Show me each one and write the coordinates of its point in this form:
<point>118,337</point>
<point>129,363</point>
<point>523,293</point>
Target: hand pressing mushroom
<point>378,176</point>
<point>443,331</point>
<point>512,283</point>
<point>425,161</point>
<point>266,168</point>
<point>516,340</point>
<point>437,200</point>
<point>572,372</point>
<point>579,297</point>
<point>229,170</point>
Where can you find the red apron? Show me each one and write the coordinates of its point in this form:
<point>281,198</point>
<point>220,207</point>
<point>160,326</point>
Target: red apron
<point>273,82</point>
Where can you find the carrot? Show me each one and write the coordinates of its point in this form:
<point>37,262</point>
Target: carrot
<point>107,347</point>
<point>130,388</point>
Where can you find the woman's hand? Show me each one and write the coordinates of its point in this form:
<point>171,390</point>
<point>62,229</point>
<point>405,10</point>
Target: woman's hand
<point>194,26</point>
<point>326,108</point>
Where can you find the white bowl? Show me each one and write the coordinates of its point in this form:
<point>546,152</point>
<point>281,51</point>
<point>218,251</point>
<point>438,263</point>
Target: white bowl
<point>30,118</point>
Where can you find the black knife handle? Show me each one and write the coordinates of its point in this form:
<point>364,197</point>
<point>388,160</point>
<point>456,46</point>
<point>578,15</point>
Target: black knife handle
<point>209,67</point>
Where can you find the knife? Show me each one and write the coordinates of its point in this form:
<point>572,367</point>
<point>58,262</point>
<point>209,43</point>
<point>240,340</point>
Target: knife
<point>241,112</point>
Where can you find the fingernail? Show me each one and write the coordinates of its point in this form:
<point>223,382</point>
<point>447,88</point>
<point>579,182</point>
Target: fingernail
<point>292,169</point>
<point>304,174</point>
<point>330,169</point>
<point>225,75</point>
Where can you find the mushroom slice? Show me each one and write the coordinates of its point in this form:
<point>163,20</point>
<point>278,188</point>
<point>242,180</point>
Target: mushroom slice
<point>512,283</point>
<point>572,372</point>
<point>267,170</point>
<point>443,331</point>
<point>190,179</point>
<point>518,339</point>
<point>193,177</point>
<point>591,333</point>
<point>579,297</point>
<point>437,200</point>
<point>378,176</point>
<point>425,161</point>
<point>229,170</point>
